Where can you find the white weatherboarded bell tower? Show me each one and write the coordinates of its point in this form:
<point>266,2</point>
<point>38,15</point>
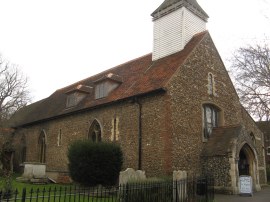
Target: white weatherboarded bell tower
<point>175,23</point>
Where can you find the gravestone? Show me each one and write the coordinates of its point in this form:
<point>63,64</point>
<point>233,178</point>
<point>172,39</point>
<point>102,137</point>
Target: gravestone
<point>130,175</point>
<point>179,185</point>
<point>28,171</point>
<point>34,172</point>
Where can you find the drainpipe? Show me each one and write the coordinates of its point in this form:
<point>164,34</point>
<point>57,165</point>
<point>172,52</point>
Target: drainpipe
<point>136,100</point>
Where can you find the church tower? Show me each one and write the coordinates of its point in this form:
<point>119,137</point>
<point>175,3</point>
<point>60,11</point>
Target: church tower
<point>175,23</point>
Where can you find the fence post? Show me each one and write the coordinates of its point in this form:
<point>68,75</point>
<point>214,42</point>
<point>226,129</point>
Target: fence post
<point>23,194</point>
<point>126,192</point>
<point>176,190</point>
<point>207,188</point>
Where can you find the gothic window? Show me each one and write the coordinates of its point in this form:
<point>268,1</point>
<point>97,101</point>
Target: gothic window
<point>95,132</point>
<point>211,84</point>
<point>115,130</point>
<point>42,147</point>
<point>211,116</point>
<point>59,138</point>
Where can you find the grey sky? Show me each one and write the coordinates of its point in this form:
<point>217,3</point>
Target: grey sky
<point>58,42</point>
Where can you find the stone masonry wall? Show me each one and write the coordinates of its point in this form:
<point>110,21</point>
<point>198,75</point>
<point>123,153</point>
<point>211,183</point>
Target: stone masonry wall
<point>219,168</point>
<point>189,91</point>
<point>75,127</point>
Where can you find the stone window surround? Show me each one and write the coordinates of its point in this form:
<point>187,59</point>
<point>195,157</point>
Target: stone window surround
<point>42,143</point>
<point>89,136</point>
<point>211,84</point>
<point>59,138</point>
<point>220,121</point>
<point>115,129</point>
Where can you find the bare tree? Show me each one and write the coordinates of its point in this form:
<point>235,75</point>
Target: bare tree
<point>251,68</point>
<point>13,90</point>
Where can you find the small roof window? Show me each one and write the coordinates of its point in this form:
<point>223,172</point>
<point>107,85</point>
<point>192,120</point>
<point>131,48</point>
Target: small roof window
<point>106,84</point>
<point>77,94</point>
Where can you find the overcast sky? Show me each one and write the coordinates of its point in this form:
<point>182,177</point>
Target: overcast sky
<point>58,42</point>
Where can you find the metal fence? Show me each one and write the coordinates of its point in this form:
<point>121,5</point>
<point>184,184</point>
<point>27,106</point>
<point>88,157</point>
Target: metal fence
<point>199,189</point>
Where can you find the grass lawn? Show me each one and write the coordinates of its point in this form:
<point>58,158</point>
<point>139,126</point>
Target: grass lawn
<point>20,185</point>
<point>52,192</point>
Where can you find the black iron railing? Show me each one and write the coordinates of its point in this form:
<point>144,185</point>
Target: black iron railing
<point>199,189</point>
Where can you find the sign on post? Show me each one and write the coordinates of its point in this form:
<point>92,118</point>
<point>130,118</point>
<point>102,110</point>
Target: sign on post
<point>245,185</point>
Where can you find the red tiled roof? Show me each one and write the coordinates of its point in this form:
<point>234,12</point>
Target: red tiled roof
<point>139,76</point>
<point>221,141</point>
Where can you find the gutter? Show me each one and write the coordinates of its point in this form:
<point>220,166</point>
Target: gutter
<point>159,90</point>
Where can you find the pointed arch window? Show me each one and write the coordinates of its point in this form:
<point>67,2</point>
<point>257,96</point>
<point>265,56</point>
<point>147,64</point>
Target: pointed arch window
<point>59,138</point>
<point>42,147</point>
<point>95,132</point>
<point>115,129</point>
<point>211,84</point>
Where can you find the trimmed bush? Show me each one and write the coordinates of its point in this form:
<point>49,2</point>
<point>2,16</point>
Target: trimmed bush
<point>94,164</point>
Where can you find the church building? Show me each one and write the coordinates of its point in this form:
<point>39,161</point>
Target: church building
<point>173,109</point>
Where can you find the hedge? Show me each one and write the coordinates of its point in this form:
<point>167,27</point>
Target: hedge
<point>93,164</point>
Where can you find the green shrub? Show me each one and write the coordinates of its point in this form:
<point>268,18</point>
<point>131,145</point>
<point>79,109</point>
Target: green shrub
<point>6,185</point>
<point>93,164</point>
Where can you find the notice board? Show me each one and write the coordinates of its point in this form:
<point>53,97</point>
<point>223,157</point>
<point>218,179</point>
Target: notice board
<point>245,185</point>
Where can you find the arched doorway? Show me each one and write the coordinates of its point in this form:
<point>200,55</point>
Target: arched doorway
<point>243,164</point>
<point>42,147</point>
<point>94,133</point>
<point>247,164</point>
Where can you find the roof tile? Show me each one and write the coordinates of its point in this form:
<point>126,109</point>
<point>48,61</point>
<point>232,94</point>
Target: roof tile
<point>139,76</point>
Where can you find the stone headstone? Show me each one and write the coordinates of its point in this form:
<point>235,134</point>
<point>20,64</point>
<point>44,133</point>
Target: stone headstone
<point>33,172</point>
<point>39,170</point>
<point>179,175</point>
<point>179,185</point>
<point>28,171</point>
<point>130,175</point>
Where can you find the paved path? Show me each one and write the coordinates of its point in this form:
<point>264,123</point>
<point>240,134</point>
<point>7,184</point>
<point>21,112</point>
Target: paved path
<point>261,196</point>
